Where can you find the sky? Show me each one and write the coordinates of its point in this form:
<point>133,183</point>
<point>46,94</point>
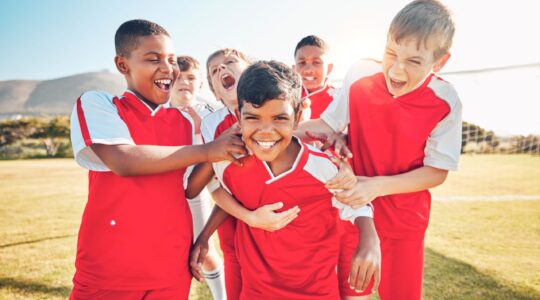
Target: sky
<point>51,39</point>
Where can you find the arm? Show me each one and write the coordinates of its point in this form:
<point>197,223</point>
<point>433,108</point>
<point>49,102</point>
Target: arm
<point>199,250</point>
<point>366,261</point>
<point>132,160</point>
<point>198,179</point>
<point>369,188</point>
<point>263,217</point>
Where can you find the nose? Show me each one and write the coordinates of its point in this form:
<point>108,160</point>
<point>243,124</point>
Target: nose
<point>397,67</point>
<point>167,67</point>
<point>266,127</point>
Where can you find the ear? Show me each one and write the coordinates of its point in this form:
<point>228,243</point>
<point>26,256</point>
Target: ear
<point>121,64</point>
<point>441,62</point>
<point>297,117</point>
<point>330,68</point>
<point>237,113</point>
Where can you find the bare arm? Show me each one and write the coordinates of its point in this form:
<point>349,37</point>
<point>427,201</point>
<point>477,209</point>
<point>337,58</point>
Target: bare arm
<point>315,125</point>
<point>369,188</point>
<point>366,261</point>
<point>132,160</point>
<point>263,217</point>
<point>198,179</point>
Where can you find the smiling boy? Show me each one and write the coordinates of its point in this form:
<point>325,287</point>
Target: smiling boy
<point>298,261</point>
<point>404,128</point>
<point>136,229</point>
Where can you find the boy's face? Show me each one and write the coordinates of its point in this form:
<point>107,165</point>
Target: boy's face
<point>312,64</point>
<point>406,66</point>
<point>185,89</point>
<point>268,130</point>
<point>151,68</point>
<point>224,73</point>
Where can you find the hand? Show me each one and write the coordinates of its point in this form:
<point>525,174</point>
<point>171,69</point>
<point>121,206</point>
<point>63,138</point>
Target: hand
<point>306,110</point>
<point>197,255</point>
<point>338,140</point>
<point>227,146</point>
<point>366,263</point>
<point>344,179</point>
<point>267,219</point>
<point>195,116</point>
<point>364,191</point>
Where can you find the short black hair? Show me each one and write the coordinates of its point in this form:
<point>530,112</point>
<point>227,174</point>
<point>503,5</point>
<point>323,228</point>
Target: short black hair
<point>312,40</point>
<point>127,35</point>
<point>267,80</point>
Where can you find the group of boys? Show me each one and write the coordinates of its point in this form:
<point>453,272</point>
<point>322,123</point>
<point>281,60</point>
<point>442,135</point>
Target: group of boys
<point>293,222</point>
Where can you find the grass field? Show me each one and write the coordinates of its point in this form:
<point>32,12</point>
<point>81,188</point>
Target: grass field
<point>475,249</point>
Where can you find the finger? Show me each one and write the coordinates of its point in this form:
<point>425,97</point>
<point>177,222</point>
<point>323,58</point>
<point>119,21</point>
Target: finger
<point>286,214</point>
<point>322,137</point>
<point>202,256</point>
<point>346,196</point>
<point>367,278</point>
<point>376,279</point>
<point>361,276</point>
<point>353,275</point>
<point>286,222</point>
<point>344,152</point>
<point>274,206</point>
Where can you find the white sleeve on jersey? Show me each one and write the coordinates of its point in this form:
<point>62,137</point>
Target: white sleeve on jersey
<point>100,116</point>
<point>443,146</point>
<point>336,114</point>
<point>219,169</point>
<point>323,169</point>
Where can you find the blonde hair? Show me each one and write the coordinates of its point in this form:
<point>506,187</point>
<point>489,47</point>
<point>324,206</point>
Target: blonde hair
<point>224,52</point>
<point>429,21</point>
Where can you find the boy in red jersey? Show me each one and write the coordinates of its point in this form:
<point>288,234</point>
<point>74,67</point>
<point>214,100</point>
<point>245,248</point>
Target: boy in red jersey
<point>224,68</point>
<point>298,261</point>
<point>136,229</point>
<point>404,129</point>
<point>314,66</point>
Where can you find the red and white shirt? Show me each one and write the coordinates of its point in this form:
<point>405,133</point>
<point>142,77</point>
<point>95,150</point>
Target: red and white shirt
<point>136,232</point>
<point>298,261</point>
<point>320,99</point>
<point>390,136</point>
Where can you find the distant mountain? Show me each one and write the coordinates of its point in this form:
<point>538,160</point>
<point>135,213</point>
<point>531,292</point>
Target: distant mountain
<point>55,96</point>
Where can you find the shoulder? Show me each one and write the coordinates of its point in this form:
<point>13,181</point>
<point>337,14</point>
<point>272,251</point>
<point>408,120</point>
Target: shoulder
<point>444,91</point>
<point>362,68</point>
<point>319,164</point>
<point>210,123</point>
<point>97,97</point>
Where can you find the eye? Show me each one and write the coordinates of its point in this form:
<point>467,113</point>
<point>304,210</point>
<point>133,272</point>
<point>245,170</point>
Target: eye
<point>415,62</point>
<point>282,118</point>
<point>173,61</point>
<point>250,118</point>
<point>390,54</point>
<point>213,71</point>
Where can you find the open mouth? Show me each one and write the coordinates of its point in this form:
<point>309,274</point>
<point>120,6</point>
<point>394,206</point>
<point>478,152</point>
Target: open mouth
<point>397,84</point>
<point>308,78</point>
<point>164,84</point>
<point>227,81</point>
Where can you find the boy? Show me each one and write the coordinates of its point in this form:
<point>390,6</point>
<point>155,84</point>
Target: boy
<point>136,228</point>
<point>312,63</point>
<point>404,126</point>
<point>298,261</point>
<point>184,96</point>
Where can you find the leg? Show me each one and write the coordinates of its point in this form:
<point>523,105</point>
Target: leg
<point>233,279</point>
<point>201,208</point>
<point>402,268</point>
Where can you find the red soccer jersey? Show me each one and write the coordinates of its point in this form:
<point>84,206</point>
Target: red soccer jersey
<point>320,100</point>
<point>136,232</point>
<point>390,136</point>
<point>298,261</point>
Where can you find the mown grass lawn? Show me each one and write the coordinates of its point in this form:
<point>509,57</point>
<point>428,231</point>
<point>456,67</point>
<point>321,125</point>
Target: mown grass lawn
<point>475,250</point>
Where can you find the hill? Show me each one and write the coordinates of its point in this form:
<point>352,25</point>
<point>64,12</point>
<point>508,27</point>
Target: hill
<point>54,96</point>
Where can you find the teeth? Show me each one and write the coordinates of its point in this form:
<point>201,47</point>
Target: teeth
<point>266,145</point>
<point>309,78</point>
<point>163,81</point>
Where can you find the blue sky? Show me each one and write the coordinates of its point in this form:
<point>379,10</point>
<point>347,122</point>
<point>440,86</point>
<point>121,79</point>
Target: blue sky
<point>57,38</point>
<point>50,39</point>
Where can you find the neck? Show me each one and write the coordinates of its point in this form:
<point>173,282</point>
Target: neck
<point>148,102</point>
<point>285,160</point>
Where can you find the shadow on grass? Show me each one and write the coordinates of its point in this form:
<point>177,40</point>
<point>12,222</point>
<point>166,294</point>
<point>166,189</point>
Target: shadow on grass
<point>37,241</point>
<point>448,278</point>
<point>30,288</point>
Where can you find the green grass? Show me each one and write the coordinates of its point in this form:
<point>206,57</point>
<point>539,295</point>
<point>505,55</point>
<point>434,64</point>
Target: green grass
<point>474,250</point>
